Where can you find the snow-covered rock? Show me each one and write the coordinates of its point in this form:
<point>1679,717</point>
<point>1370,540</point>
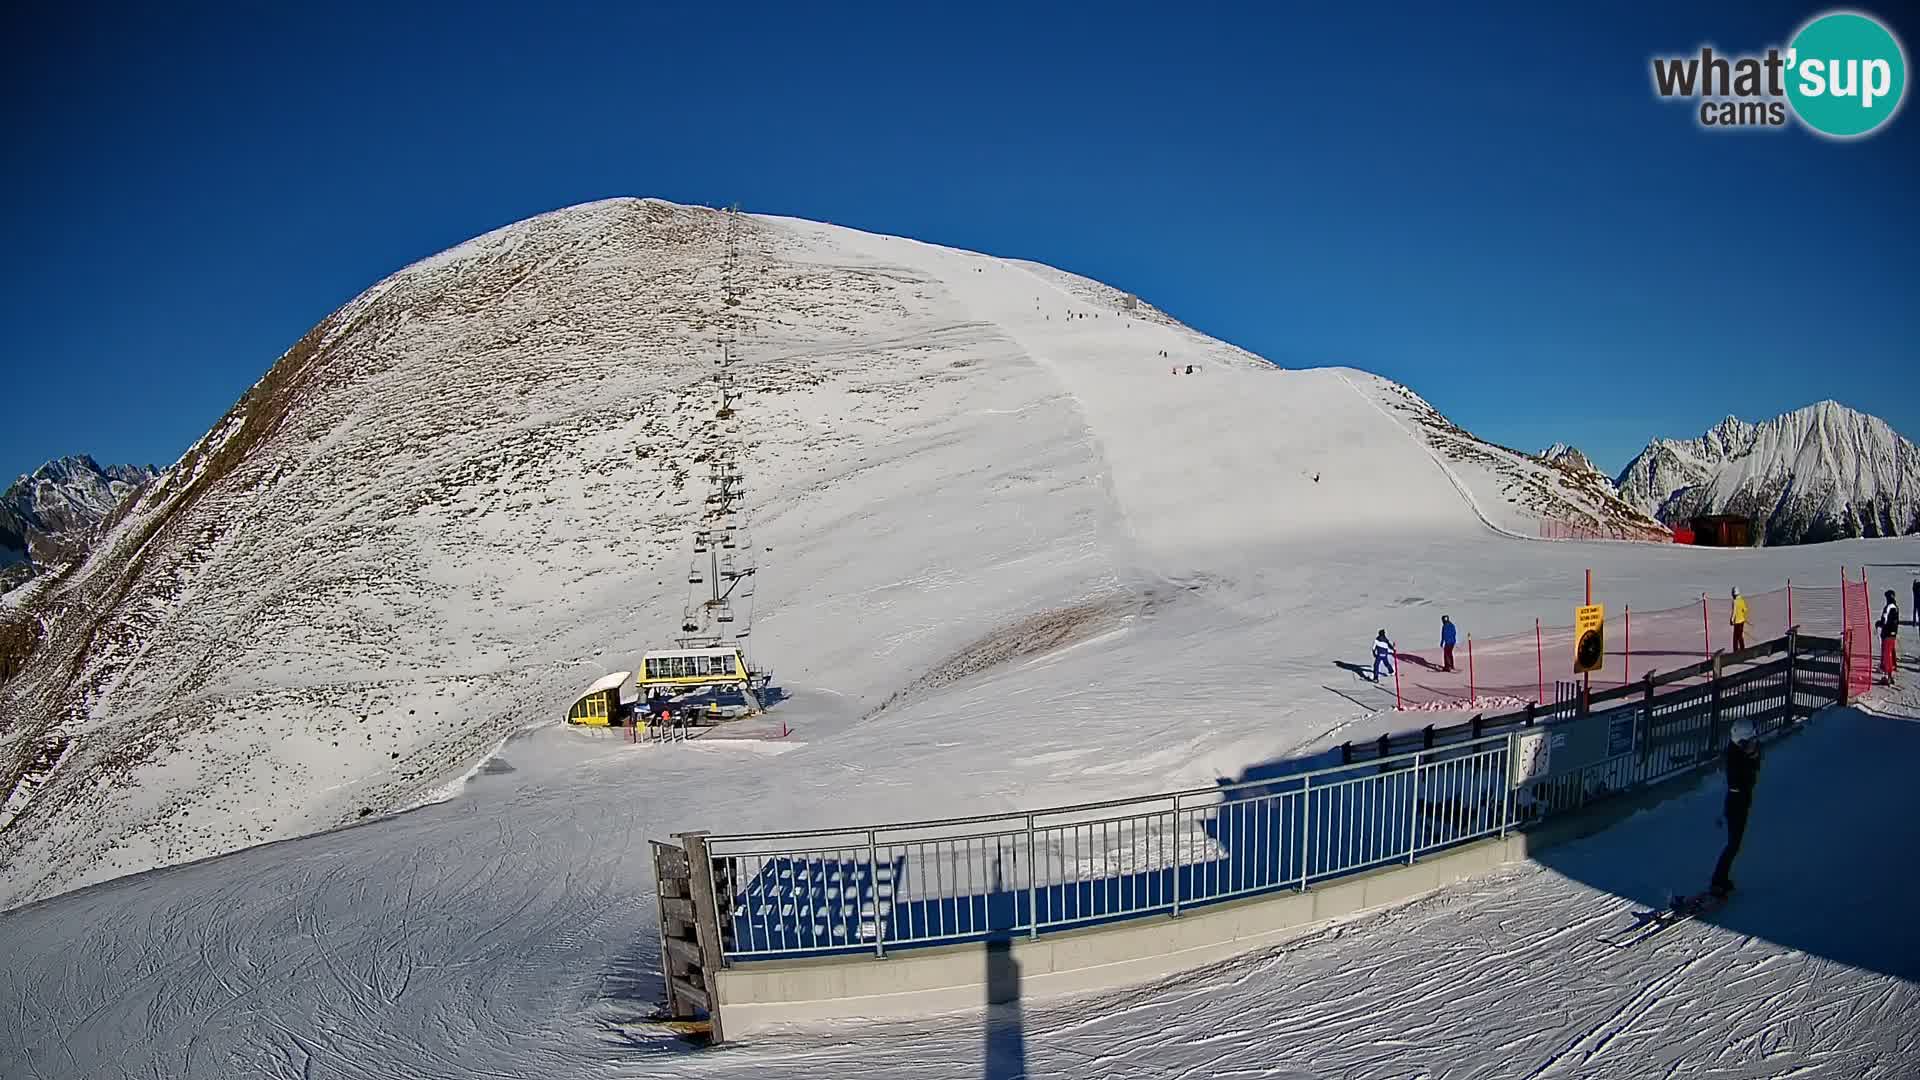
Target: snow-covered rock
<point>1570,457</point>
<point>1819,473</point>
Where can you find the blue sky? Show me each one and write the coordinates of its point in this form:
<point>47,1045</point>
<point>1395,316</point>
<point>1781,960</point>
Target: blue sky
<point>1492,208</point>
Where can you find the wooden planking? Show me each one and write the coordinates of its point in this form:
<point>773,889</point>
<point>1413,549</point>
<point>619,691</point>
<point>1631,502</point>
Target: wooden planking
<point>671,859</point>
<point>682,951</point>
<point>692,992</point>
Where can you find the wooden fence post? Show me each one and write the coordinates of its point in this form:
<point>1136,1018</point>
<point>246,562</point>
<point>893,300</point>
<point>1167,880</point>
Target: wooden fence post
<point>706,921</point>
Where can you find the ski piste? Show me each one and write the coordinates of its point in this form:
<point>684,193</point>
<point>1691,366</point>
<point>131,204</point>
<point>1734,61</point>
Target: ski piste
<point>1652,923</point>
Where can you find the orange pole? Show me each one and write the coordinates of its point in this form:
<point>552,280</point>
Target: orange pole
<point>1397,702</point>
<point>1626,667</point>
<point>1471,696</point>
<point>1540,659</point>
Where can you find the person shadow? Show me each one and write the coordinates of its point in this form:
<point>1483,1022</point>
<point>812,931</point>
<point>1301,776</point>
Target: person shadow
<point>1823,869</point>
<point>1363,672</point>
<point>1005,1039</point>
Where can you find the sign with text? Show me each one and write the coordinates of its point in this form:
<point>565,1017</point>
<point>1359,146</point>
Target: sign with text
<point>1589,637</point>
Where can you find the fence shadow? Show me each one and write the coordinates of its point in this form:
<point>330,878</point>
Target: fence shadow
<point>1826,867</point>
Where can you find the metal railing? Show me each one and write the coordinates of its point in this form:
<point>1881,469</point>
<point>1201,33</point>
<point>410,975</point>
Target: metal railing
<point>871,889</point>
<point>796,893</point>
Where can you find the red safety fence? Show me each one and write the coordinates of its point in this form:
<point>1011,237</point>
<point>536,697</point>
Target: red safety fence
<point>1857,638</point>
<point>1587,530</point>
<point>1506,672</point>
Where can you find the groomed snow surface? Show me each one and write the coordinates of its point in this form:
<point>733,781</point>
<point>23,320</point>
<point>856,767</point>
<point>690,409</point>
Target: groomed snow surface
<point>495,935</point>
<point>1012,561</point>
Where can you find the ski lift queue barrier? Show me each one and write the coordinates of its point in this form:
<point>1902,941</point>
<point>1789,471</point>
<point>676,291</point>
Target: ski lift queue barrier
<point>780,895</point>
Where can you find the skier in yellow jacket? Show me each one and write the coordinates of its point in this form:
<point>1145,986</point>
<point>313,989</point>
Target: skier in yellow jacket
<point>1739,621</point>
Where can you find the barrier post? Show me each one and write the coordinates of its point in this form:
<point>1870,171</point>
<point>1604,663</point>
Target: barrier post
<point>1626,666</point>
<point>1176,855</point>
<point>1586,677</point>
<point>1033,878</point>
<point>1398,703</point>
<point>1789,603</point>
<point>1846,655</point>
<point>873,882</point>
<point>1706,630</point>
<point>1472,695</point>
<point>1540,665</point>
<point>1413,815</point>
<point>1306,819</point>
<point>1793,660</point>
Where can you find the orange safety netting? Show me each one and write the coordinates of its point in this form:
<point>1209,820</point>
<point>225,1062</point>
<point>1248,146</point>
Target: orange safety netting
<point>1511,670</point>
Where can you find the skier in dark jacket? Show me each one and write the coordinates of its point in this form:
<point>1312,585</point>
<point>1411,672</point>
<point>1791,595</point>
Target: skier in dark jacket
<point>1889,624</point>
<point>1743,769</point>
<point>1448,636</point>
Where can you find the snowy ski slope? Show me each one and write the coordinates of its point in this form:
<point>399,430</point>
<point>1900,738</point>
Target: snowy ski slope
<point>507,933</point>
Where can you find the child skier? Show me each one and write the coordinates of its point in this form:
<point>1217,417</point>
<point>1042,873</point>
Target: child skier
<point>1739,621</point>
<point>1448,635</point>
<point>1383,654</point>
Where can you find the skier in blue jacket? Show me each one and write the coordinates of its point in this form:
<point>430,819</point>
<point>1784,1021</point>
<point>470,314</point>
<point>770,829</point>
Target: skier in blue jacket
<point>1383,654</point>
<point>1448,635</point>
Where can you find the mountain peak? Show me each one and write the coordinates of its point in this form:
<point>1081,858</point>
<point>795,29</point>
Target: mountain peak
<point>1822,471</point>
<point>50,514</point>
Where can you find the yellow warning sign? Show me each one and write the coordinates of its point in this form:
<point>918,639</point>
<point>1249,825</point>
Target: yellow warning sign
<point>1589,638</point>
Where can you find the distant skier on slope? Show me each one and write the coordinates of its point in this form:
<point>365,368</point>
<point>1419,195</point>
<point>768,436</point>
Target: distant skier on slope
<point>1889,625</point>
<point>1739,621</point>
<point>1743,769</point>
<point>1383,654</point>
<point>1448,635</point>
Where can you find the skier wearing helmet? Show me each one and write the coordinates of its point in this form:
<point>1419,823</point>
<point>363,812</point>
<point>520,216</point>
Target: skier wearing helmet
<point>1743,769</point>
<point>1383,655</point>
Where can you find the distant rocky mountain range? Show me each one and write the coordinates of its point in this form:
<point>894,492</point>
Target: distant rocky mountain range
<point>1824,472</point>
<point>50,515</point>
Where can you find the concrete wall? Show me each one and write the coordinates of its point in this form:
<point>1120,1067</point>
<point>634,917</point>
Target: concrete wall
<point>755,997</point>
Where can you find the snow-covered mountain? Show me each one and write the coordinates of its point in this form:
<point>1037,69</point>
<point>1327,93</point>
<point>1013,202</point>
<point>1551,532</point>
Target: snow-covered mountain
<point>467,493</point>
<point>1819,473</point>
<point>49,515</point>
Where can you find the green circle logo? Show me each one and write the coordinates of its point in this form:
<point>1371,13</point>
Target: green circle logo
<point>1846,74</point>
